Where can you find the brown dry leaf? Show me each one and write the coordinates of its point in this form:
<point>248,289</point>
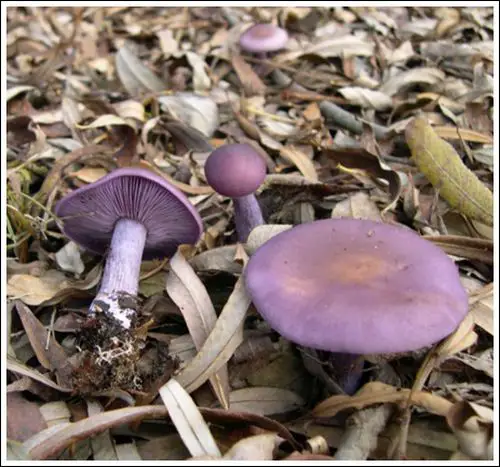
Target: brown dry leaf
<point>412,77</point>
<point>102,445</point>
<point>465,247</point>
<point>265,400</point>
<point>450,132</point>
<point>366,98</point>
<point>20,368</point>
<point>301,161</point>
<point>187,419</point>
<point>53,440</point>
<point>89,174</point>
<point>217,259</point>
<point>194,110</point>
<point>188,292</point>
<point>33,290</point>
<point>220,345</point>
<point>250,81</point>
<point>361,159</point>
<point>68,258</point>
<point>127,452</point>
<point>377,393</point>
<point>473,427</point>
<point>345,46</point>
<point>49,353</point>
<point>359,206</point>
<point>23,417</point>
<point>443,167</point>
<point>481,308</point>
<point>134,75</point>
<point>254,448</point>
<point>262,233</point>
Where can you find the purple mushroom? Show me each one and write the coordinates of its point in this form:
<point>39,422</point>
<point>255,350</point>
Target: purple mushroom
<point>261,39</point>
<point>236,171</point>
<point>130,214</point>
<point>355,287</point>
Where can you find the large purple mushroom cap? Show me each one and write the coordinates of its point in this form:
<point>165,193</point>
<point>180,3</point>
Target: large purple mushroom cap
<point>356,286</point>
<point>235,170</point>
<point>89,214</point>
<point>263,38</point>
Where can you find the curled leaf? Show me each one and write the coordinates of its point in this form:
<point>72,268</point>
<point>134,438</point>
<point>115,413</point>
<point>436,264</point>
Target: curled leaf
<point>442,166</point>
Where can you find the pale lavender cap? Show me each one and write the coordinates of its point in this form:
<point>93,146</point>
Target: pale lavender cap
<point>235,170</point>
<point>356,286</point>
<point>90,213</point>
<point>263,38</point>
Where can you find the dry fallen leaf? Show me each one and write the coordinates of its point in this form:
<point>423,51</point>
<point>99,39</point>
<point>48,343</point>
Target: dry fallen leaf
<point>187,419</point>
<point>190,295</point>
<point>440,163</point>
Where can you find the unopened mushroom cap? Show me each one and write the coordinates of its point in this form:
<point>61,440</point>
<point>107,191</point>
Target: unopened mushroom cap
<point>90,213</point>
<point>235,170</point>
<point>356,286</point>
<point>263,38</point>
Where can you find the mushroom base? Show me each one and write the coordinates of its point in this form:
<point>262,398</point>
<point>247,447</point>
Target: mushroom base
<point>111,357</point>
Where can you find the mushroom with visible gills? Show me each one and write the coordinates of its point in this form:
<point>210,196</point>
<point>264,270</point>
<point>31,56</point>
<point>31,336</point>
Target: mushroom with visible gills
<point>129,214</point>
<point>236,171</point>
<point>356,287</point>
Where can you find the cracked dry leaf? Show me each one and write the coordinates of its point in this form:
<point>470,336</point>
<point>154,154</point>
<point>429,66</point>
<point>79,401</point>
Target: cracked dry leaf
<point>442,166</point>
<point>188,292</point>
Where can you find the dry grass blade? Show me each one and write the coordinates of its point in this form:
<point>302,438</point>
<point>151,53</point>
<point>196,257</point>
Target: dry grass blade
<point>188,292</point>
<point>220,345</point>
<point>443,167</point>
<point>187,419</point>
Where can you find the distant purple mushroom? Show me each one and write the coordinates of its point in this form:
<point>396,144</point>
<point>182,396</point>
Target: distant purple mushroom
<point>130,214</point>
<point>356,287</point>
<point>261,39</point>
<point>236,171</point>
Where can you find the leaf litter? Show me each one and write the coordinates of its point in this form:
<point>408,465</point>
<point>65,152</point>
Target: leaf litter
<point>371,113</point>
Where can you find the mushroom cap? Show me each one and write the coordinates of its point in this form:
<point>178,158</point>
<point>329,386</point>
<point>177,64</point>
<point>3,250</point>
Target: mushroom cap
<point>235,170</point>
<point>90,213</point>
<point>356,286</point>
<point>263,38</point>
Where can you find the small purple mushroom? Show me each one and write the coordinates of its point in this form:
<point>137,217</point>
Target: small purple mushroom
<point>356,287</point>
<point>262,39</point>
<point>236,171</point>
<point>130,214</point>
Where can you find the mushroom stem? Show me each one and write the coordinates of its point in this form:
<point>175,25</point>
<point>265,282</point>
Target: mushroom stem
<point>247,215</point>
<point>121,273</point>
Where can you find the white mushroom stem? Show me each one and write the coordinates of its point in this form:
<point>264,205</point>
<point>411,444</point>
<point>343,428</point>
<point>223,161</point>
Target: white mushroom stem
<point>121,273</point>
<point>247,215</point>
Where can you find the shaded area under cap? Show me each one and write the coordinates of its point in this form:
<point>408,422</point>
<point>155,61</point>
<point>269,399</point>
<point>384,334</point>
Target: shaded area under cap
<point>356,286</point>
<point>263,38</point>
<point>90,213</point>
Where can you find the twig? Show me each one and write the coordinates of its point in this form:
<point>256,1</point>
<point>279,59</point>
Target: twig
<point>338,116</point>
<point>362,433</point>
